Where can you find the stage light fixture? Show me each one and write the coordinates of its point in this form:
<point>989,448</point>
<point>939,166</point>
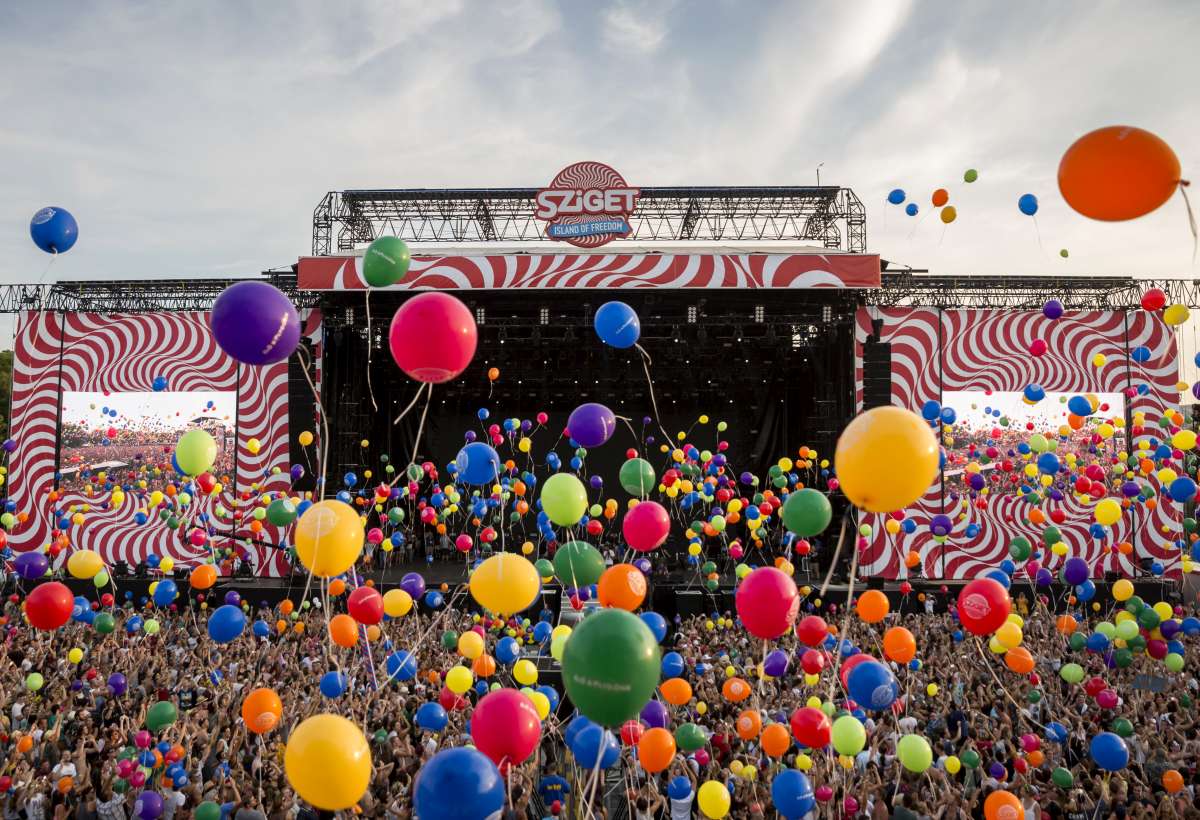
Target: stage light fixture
<point>691,314</point>
<point>759,313</point>
<point>480,316</point>
<point>826,313</point>
<point>543,316</point>
<point>348,316</point>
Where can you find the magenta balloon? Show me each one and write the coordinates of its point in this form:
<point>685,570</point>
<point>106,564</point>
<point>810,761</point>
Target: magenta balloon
<point>646,526</point>
<point>591,424</point>
<point>1107,699</point>
<point>767,602</point>
<point>1156,649</point>
<point>433,337</point>
<point>255,323</point>
<point>505,726</point>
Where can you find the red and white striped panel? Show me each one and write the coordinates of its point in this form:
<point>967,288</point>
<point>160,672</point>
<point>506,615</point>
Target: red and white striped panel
<point>989,350</point>
<point>121,353</point>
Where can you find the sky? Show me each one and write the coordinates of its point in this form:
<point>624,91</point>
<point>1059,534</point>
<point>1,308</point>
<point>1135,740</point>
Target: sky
<point>1050,413</point>
<point>194,139</point>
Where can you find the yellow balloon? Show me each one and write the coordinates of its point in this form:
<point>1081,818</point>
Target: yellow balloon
<point>1099,360</point>
<point>949,214</point>
<point>1107,511</point>
<point>953,764</point>
<point>166,564</point>
<point>1176,314</point>
<point>84,564</point>
<point>329,538</point>
<point>1163,610</point>
<point>996,647</point>
<point>1184,439</point>
<point>886,459</point>
<point>75,655</point>
<point>470,645</point>
<point>1122,590</point>
<point>305,438</point>
<point>1009,635</point>
<point>253,445</point>
<point>558,645</point>
<point>931,690</point>
<point>328,762</point>
<point>540,702</point>
<point>459,679</point>
<point>525,672</point>
<point>505,584</point>
<point>714,799</point>
<point>397,603</point>
<point>803,762</point>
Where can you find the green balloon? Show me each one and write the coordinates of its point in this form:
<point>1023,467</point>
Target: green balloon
<point>396,515</point>
<point>151,626</point>
<point>1123,658</point>
<point>564,499</point>
<point>610,666</point>
<point>690,737</point>
<point>1189,524</point>
<point>1062,778</point>
<point>1148,618</point>
<point>1051,536</point>
<point>806,512</point>
<point>1020,548</point>
<point>1107,629</point>
<point>849,736</point>
<point>914,753</point>
<point>1076,641</point>
<point>578,564</point>
<point>120,786</point>
<point>1134,605</point>
<point>414,472</point>
<point>161,715</point>
<point>449,639</point>
<point>970,175</point>
<point>970,759</point>
<point>1127,630</point>
<point>544,568</point>
<point>1122,727</point>
<point>34,681</point>
<point>711,584</point>
<point>195,452</point>
<point>1033,696</point>
<point>208,810</point>
<point>385,261</point>
<point>100,579</point>
<point>1071,672</point>
<point>1174,662</point>
<point>281,512</point>
<point>104,623</point>
<point>1137,644</point>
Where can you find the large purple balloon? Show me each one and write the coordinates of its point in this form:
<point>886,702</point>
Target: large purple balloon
<point>1075,571</point>
<point>655,715</point>
<point>591,424</point>
<point>255,323</point>
<point>31,565</point>
<point>117,683</point>
<point>148,806</point>
<point>413,584</point>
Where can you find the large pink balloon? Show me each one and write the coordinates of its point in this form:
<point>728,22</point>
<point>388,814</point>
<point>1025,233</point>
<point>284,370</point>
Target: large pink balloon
<point>646,526</point>
<point>433,337</point>
<point>505,727</point>
<point>767,602</point>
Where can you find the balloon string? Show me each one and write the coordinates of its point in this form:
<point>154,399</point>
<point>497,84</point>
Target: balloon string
<point>646,362</point>
<point>835,678</point>
<point>1183,186</point>
<point>1020,709</point>
<point>411,404</point>
<point>1038,233</point>
<point>370,346</point>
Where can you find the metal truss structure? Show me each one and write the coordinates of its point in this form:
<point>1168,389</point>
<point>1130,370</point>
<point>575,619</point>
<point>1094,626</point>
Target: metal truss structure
<point>827,215</point>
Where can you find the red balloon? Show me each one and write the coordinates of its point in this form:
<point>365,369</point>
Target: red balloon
<point>1038,347</point>
<point>811,727</point>
<point>812,630</point>
<point>812,661</point>
<point>767,602</point>
<point>433,337</point>
<point>1154,299</point>
<point>451,701</point>
<point>505,726</point>
<point>49,605</point>
<point>365,605</point>
<point>632,730</point>
<point>646,526</point>
<point>983,606</point>
<point>849,664</point>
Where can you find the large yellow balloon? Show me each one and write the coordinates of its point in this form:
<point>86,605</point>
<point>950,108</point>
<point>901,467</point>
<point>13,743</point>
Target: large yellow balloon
<point>470,645</point>
<point>714,799</point>
<point>328,762</point>
<point>84,564</point>
<point>886,459</point>
<point>1108,512</point>
<point>329,538</point>
<point>1175,314</point>
<point>1122,590</point>
<point>397,603</point>
<point>525,672</point>
<point>459,679</point>
<point>505,584</point>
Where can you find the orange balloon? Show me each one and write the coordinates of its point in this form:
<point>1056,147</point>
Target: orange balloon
<point>286,606</point>
<point>484,666</point>
<point>336,587</point>
<point>749,724</point>
<point>656,750</point>
<point>299,628</point>
<point>1172,780</point>
<point>343,630</point>
<point>676,691</point>
<point>280,625</point>
<point>65,784</point>
<point>913,559</point>
<point>735,690</point>
<point>24,744</point>
<point>261,710</point>
<point>1036,757</point>
<point>899,644</point>
<point>872,606</point>
<point>940,197</point>
<point>1036,516</point>
<point>1074,422</point>
<point>1002,805</point>
<point>776,740</point>
<point>373,633</point>
<point>203,576</point>
<point>1118,173</point>
<point>1019,660</point>
<point>622,586</point>
<point>1065,624</point>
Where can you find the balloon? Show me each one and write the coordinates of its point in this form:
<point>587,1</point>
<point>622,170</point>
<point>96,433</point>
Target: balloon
<point>792,794</point>
<point>433,337</point>
<point>1109,751</point>
<point>914,753</point>
<point>328,762</point>
<point>329,538</point>
<point>203,576</point>
<point>1028,204</point>
<point>849,736</point>
<point>505,584</point>
<point>886,458</point>
<point>564,499</point>
<point>48,606</point>
<point>656,749</point>
<point>261,710</point>
<point>637,477</point>
<point>31,565</point>
<point>333,684</point>
<point>505,726</point>
<point>806,512</point>
<point>657,624</point>
<point>617,324</point>
<point>148,806</point>
<point>940,197</point>
<point>1002,805</point>
<point>714,799</point>
<point>195,452</point>
<point>607,692</point>
<point>949,214</point>
<point>896,196</point>
<point>54,230</point>
<point>477,463</point>
<point>578,564</point>
<point>622,586</point>
<point>161,715</point>
<point>226,623</point>
<point>1118,173</point>
<point>458,784</point>
<point>646,526</point>
<point>983,605</point>
<point>767,602</point>
<point>397,603</point>
<point>899,645</point>
<point>385,261</point>
<point>84,564</point>
<point>872,685</point>
<point>872,606</point>
<point>591,424</point>
<point>255,324</point>
<point>1172,780</point>
<point>775,741</point>
<point>676,691</point>
<point>1107,512</point>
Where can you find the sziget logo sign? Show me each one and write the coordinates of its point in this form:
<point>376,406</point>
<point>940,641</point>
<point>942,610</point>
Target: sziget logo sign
<point>587,204</point>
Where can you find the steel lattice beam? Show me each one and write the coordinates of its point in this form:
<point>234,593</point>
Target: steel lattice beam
<point>909,289</point>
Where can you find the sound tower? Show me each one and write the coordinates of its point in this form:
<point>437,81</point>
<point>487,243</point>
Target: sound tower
<point>877,369</point>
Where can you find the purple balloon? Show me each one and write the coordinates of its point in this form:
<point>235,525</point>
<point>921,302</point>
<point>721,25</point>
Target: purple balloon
<point>596,481</point>
<point>654,715</point>
<point>1196,390</point>
<point>233,598</point>
<point>941,525</point>
<point>643,565</point>
<point>1130,489</point>
<point>296,472</point>
<point>117,683</point>
<point>776,664</point>
<point>1044,577</point>
<point>31,565</point>
<point>413,584</point>
<point>591,424</point>
<point>148,806</point>
<point>10,445</point>
<point>1052,309</point>
<point>1169,628</point>
<point>255,323</point>
<point>470,435</point>
<point>996,770</point>
<point>1075,571</point>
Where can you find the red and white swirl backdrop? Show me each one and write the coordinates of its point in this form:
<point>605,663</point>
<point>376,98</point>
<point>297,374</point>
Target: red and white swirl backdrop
<point>94,352</point>
<point>938,351</point>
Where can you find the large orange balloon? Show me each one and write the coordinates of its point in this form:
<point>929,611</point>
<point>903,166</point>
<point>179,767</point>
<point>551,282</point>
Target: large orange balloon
<point>1118,173</point>
<point>1172,780</point>
<point>484,666</point>
<point>776,740</point>
<point>899,644</point>
<point>1019,660</point>
<point>872,606</point>
<point>749,724</point>
<point>676,691</point>
<point>203,576</point>
<point>261,710</point>
<point>343,630</point>
<point>622,586</point>
<point>735,690</point>
<point>1002,805</point>
<point>1065,624</point>
<point>656,750</point>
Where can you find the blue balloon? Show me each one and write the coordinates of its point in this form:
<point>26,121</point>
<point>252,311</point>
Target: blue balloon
<point>948,415</point>
<point>541,632</point>
<point>680,788</point>
<point>507,650</point>
<point>930,410</point>
<point>1048,464</point>
<point>1034,392</point>
<point>576,726</point>
<point>896,196</point>
<point>872,685</point>
<point>432,717</point>
<point>1190,627</point>
<point>596,742</point>
<point>911,209</point>
<point>1140,354</point>
<point>1097,642</point>
<point>333,684</point>
<point>261,629</point>
<point>551,695</point>
<point>477,463</point>
<point>657,624</point>
<point>226,623</point>
<point>999,576</point>
<point>458,784</point>
<point>1056,732</point>
<point>434,599</point>
<point>1182,489</point>
<point>1079,405</point>
<point>792,794</point>
<point>617,324</point>
<point>1109,751</point>
<point>401,666</point>
<point>1028,204</point>
<point>165,593</point>
<point>672,665</point>
<point>54,230</point>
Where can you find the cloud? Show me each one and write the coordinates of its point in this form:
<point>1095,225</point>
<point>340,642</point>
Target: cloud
<point>640,27</point>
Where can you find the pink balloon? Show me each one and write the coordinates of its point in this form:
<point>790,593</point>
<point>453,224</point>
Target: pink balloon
<point>137,778</point>
<point>823,793</point>
<point>767,602</point>
<point>850,805</point>
<point>505,726</point>
<point>1030,742</point>
<point>142,739</point>
<point>1107,699</point>
<point>646,526</point>
<point>702,757</point>
<point>433,337</point>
